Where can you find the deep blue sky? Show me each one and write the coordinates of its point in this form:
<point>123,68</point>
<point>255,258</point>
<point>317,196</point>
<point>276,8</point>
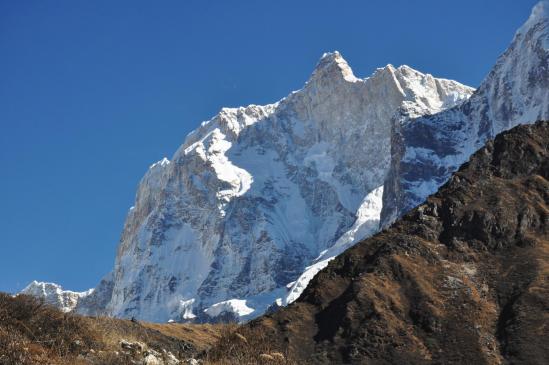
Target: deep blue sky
<point>93,92</point>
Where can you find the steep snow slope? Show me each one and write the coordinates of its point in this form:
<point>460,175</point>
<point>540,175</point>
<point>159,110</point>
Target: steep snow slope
<point>426,150</point>
<point>256,194</point>
<point>366,224</point>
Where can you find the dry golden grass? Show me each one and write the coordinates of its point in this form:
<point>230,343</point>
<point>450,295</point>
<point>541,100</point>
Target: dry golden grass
<point>239,345</point>
<point>34,333</point>
<point>201,336</point>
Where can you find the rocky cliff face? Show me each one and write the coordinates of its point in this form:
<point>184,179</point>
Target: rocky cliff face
<point>460,279</point>
<point>427,149</point>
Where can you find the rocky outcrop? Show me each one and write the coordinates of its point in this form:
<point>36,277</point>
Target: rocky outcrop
<point>461,279</point>
<point>426,150</point>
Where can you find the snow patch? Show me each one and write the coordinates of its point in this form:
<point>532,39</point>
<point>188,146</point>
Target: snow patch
<point>161,163</point>
<point>235,306</point>
<point>186,309</point>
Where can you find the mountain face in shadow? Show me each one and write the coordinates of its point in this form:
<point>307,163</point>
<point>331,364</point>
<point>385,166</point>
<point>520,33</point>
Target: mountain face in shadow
<point>461,279</point>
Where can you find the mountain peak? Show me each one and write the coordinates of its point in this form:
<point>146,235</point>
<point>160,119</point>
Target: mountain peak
<point>331,56</point>
<point>541,10</point>
<point>160,163</point>
<point>540,14</point>
<point>331,65</point>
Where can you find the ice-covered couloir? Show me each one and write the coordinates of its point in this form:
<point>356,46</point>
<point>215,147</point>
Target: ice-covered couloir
<point>257,194</point>
<point>426,150</point>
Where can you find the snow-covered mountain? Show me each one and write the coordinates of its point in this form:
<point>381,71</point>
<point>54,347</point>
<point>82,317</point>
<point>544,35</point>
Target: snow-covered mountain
<point>259,199</point>
<point>256,194</point>
<point>426,150</point>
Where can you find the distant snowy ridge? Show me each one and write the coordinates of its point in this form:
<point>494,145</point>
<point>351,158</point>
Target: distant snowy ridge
<point>366,224</point>
<point>54,294</point>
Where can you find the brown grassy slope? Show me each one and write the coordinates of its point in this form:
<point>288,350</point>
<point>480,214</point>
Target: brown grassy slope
<point>202,336</point>
<point>462,279</point>
<point>34,333</point>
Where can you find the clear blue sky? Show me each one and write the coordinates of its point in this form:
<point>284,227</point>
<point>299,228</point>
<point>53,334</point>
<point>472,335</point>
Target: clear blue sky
<point>93,92</point>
